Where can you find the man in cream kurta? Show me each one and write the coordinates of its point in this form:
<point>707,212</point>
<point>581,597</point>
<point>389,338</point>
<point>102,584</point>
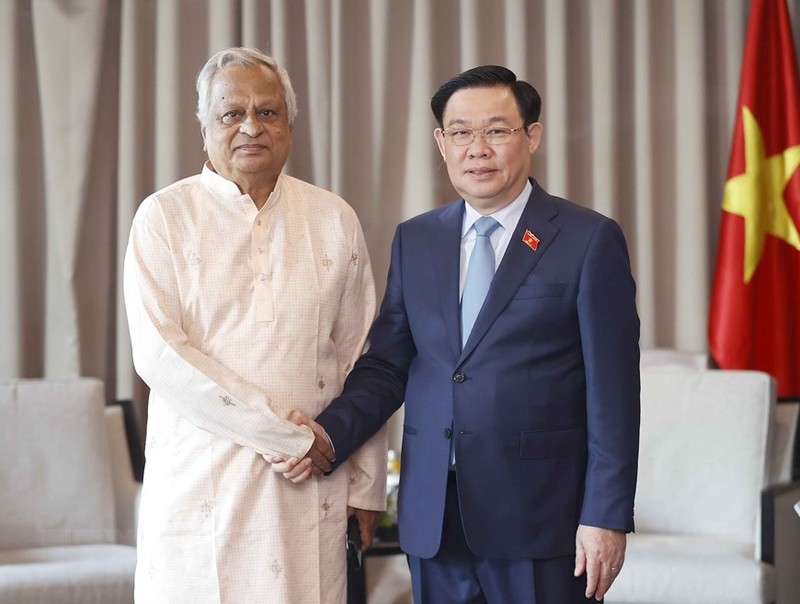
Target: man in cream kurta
<point>237,316</point>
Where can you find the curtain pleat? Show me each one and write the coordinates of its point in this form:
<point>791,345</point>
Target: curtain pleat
<point>554,99</point>
<point>75,53</point>
<point>690,195</point>
<point>603,38</point>
<point>97,109</point>
<point>640,221</point>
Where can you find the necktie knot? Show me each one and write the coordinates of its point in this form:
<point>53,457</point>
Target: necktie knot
<point>485,226</point>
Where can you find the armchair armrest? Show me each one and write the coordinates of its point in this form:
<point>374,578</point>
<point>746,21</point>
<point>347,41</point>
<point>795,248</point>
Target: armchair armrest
<point>780,537</point>
<point>127,490</point>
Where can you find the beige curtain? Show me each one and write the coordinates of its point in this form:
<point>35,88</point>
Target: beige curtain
<point>97,110</point>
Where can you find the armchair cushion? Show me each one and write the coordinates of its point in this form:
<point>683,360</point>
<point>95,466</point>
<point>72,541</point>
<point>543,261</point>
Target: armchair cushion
<point>68,574</point>
<point>704,452</point>
<point>673,568</point>
<point>58,490</point>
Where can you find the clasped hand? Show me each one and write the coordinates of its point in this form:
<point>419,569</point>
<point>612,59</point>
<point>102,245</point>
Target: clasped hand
<point>318,459</point>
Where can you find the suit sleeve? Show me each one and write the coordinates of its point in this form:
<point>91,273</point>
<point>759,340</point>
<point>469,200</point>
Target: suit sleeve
<point>375,388</point>
<point>609,327</point>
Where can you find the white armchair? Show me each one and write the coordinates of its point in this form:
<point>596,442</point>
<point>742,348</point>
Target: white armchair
<point>68,498</point>
<point>703,534</point>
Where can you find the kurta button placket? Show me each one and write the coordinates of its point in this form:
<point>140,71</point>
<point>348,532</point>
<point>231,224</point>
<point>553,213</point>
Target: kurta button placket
<point>262,285</point>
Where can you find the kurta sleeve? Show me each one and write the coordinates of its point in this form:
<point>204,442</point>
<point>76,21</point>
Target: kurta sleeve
<point>203,391</point>
<point>367,465</point>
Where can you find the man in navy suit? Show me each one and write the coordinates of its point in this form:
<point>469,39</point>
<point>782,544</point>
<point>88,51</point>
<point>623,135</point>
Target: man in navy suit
<point>520,439</point>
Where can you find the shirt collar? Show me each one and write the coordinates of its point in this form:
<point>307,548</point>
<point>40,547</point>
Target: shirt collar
<point>508,217</point>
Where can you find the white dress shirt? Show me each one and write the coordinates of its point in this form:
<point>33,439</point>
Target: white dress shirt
<point>508,218</point>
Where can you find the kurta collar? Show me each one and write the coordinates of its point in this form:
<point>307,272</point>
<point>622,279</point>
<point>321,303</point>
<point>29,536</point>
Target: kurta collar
<point>227,190</point>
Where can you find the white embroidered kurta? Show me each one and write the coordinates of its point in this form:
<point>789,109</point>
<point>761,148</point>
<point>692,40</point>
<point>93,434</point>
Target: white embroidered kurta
<point>237,316</point>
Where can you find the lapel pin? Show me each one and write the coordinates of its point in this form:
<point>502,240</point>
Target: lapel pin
<point>531,240</point>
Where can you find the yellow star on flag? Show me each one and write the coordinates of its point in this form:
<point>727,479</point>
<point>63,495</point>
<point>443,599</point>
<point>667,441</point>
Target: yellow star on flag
<point>757,195</point>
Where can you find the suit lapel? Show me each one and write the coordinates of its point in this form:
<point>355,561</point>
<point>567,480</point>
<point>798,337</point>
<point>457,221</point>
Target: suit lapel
<point>446,258</point>
<point>519,260</point>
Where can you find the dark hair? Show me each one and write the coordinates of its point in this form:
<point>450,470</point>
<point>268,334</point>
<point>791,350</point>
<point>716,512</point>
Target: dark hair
<point>529,102</point>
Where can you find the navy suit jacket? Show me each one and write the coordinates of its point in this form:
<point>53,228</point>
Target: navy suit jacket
<point>543,399</point>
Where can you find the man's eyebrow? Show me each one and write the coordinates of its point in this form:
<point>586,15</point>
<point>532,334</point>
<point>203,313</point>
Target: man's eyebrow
<point>489,120</point>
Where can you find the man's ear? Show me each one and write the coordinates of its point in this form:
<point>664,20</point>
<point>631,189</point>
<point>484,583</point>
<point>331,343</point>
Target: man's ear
<point>534,132</point>
<point>439,136</point>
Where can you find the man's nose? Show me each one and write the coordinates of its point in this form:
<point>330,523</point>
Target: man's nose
<point>250,125</point>
<point>479,147</point>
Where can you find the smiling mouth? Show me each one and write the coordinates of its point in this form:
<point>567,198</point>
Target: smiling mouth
<point>251,147</point>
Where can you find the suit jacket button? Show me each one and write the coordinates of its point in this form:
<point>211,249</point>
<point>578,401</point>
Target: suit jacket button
<point>459,377</point>
<point>447,432</point>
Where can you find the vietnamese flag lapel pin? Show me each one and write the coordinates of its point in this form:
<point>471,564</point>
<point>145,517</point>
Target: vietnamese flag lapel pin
<point>531,240</point>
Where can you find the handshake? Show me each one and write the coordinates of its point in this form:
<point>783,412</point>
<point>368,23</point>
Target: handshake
<point>318,459</point>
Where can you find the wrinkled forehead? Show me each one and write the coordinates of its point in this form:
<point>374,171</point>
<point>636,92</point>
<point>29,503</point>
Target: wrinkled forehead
<point>244,82</point>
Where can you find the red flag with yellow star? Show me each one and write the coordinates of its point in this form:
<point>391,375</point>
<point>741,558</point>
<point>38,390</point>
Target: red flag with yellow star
<point>755,300</point>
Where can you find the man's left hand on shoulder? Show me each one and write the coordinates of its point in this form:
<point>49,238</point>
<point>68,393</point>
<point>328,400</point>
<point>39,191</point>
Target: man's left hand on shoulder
<point>600,553</point>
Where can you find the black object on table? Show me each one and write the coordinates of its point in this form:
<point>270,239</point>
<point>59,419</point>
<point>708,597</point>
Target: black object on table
<point>356,573</point>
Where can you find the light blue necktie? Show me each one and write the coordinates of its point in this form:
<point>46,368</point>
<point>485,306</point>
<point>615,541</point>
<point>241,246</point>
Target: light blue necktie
<point>480,272</point>
<point>479,275</point>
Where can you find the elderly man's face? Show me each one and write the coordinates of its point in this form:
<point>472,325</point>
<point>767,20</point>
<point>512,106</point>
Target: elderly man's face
<point>488,176</point>
<point>247,133</point>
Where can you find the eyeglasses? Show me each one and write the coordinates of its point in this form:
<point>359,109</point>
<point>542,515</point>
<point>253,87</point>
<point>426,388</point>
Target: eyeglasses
<point>494,135</point>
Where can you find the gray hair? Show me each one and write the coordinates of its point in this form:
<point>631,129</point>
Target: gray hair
<point>248,57</point>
